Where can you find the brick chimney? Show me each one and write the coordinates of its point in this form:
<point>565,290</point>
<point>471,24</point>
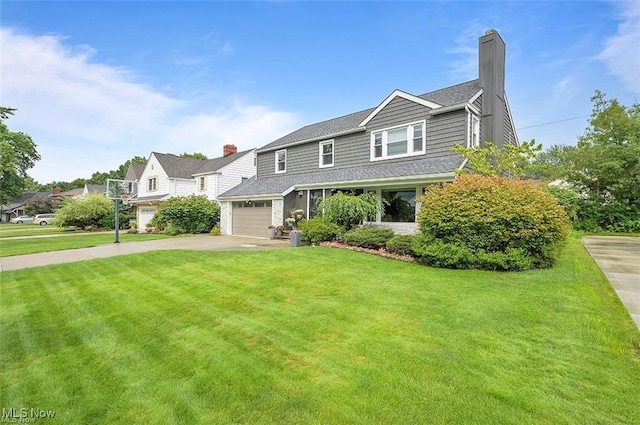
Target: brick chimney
<point>56,191</point>
<point>229,150</point>
<point>491,54</point>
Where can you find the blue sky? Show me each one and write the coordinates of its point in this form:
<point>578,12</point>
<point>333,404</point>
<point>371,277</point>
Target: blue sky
<point>96,83</point>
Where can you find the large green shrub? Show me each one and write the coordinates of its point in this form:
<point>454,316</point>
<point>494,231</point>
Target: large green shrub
<point>316,230</point>
<point>348,210</point>
<point>84,212</point>
<point>486,215</point>
<point>368,237</point>
<point>188,214</point>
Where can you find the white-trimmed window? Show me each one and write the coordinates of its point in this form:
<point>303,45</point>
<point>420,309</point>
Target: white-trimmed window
<point>281,161</point>
<point>474,132</point>
<point>202,183</point>
<point>396,142</point>
<point>326,154</point>
<point>152,184</point>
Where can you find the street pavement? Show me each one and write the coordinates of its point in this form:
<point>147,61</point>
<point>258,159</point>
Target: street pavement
<point>199,242</point>
<point>619,259</point>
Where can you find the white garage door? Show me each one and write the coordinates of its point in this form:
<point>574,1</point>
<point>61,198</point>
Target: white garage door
<point>145,214</point>
<point>251,219</point>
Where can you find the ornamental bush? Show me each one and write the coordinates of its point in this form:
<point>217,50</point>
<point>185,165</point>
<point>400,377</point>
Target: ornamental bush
<point>84,212</point>
<point>316,230</point>
<point>401,244</point>
<point>187,214</point>
<point>368,237</point>
<point>490,223</point>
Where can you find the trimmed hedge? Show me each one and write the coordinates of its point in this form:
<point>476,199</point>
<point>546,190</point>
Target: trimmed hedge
<point>188,214</point>
<point>368,237</point>
<point>401,244</point>
<point>490,223</point>
<point>316,230</point>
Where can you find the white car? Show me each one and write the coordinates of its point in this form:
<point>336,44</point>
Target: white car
<point>22,219</point>
<point>43,219</point>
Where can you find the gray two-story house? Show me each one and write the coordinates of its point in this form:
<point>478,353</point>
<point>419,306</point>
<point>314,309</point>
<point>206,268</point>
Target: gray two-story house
<point>395,150</point>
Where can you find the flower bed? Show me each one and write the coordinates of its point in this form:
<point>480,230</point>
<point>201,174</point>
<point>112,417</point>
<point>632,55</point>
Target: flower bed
<point>381,252</point>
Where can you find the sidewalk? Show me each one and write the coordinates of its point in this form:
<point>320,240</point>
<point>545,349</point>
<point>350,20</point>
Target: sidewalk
<point>619,259</point>
<point>200,242</point>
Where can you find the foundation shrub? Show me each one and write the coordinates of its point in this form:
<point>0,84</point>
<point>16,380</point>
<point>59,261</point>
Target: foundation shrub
<point>490,223</point>
<point>401,244</point>
<point>368,237</point>
<point>188,214</point>
<point>316,230</point>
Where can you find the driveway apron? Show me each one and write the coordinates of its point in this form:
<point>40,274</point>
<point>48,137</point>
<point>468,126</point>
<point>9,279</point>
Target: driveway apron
<point>619,259</point>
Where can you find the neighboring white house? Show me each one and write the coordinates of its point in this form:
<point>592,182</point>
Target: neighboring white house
<point>168,175</point>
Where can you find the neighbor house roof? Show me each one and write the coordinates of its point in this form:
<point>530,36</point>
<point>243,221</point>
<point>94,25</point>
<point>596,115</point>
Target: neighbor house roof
<point>134,171</point>
<point>178,166</point>
<point>281,183</point>
<point>216,164</point>
<point>346,124</point>
<point>97,188</point>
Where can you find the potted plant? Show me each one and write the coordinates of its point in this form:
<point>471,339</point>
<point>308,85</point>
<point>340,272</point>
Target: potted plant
<point>271,231</point>
<point>295,237</point>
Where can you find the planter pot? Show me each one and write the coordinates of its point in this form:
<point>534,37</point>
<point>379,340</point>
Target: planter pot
<point>271,233</point>
<point>296,239</point>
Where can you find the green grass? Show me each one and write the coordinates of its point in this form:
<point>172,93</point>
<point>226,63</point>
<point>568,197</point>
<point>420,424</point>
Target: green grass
<point>316,336</point>
<point>10,247</point>
<point>9,230</point>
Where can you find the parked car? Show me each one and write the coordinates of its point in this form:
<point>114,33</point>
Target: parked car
<point>22,219</point>
<point>43,219</point>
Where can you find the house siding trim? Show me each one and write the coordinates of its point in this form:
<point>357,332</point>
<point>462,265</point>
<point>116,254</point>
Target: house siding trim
<point>391,97</point>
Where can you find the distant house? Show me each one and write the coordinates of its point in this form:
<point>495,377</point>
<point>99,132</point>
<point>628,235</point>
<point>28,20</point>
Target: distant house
<point>394,150</point>
<point>94,188</point>
<point>167,175</point>
<point>15,208</point>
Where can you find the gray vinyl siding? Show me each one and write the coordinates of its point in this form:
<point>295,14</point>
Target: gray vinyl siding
<point>509,131</point>
<point>354,149</point>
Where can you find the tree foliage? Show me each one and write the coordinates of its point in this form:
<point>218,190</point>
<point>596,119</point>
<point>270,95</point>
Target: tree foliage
<point>606,163</point>
<point>84,212</point>
<point>17,155</point>
<point>195,155</point>
<point>551,164</point>
<point>490,160</point>
<point>188,214</point>
<point>37,205</point>
<point>347,210</point>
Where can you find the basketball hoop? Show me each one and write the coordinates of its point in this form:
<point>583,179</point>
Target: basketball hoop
<point>125,199</point>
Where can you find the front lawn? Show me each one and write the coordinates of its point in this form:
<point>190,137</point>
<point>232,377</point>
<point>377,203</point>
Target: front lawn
<point>9,230</point>
<point>10,247</point>
<point>316,335</point>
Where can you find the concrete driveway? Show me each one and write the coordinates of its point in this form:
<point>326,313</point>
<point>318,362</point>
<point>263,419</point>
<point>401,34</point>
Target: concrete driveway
<point>199,242</point>
<point>619,259</point>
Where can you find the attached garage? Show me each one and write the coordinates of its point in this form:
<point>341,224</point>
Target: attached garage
<point>251,218</point>
<point>145,214</point>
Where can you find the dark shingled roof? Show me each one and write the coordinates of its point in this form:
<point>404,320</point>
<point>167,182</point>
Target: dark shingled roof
<point>134,171</point>
<point>280,183</point>
<point>184,168</point>
<point>446,97</point>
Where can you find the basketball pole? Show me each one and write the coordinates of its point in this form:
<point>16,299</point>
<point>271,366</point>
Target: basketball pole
<point>117,214</point>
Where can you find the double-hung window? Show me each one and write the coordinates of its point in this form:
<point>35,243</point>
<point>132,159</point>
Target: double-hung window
<point>281,161</point>
<point>396,142</point>
<point>202,183</point>
<point>326,154</point>
<point>152,184</point>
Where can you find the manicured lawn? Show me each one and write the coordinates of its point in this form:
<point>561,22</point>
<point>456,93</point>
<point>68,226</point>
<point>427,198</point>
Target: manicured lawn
<point>9,247</point>
<point>8,230</point>
<point>316,335</point>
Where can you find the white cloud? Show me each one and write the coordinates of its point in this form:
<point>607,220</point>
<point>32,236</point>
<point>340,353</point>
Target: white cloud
<point>466,51</point>
<point>86,116</point>
<point>621,52</point>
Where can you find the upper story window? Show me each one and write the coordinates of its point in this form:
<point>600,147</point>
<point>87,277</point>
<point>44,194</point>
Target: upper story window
<point>202,183</point>
<point>474,132</point>
<point>281,161</point>
<point>152,184</point>
<point>326,154</point>
<point>396,142</point>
